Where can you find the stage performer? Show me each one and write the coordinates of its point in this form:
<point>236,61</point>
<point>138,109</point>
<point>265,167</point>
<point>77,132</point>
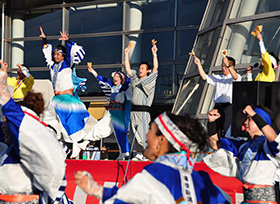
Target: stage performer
<point>171,178</point>
<point>22,83</point>
<point>117,118</point>
<point>223,90</point>
<point>268,65</point>
<point>143,88</point>
<point>32,166</point>
<point>64,107</point>
<point>254,162</point>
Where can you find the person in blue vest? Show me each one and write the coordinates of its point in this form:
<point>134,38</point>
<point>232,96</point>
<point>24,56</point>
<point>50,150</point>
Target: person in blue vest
<point>254,161</point>
<point>170,178</point>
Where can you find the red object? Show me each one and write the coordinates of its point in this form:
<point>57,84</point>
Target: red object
<point>113,171</point>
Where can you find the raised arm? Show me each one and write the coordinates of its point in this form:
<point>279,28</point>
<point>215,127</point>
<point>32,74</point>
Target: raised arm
<point>200,69</point>
<point>126,60</point>
<point>47,49</point>
<point>155,59</point>
<point>213,115</point>
<point>91,70</point>
<point>267,130</point>
<point>230,68</point>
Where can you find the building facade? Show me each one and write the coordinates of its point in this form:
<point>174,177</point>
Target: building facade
<point>104,28</point>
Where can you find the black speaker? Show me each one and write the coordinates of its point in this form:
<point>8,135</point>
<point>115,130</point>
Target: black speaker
<point>253,93</point>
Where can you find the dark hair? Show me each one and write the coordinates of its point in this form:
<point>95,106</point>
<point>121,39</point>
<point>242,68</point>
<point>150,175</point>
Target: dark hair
<point>24,65</point>
<point>231,59</point>
<point>34,101</point>
<point>62,48</point>
<point>275,56</point>
<point>190,127</point>
<point>149,67</point>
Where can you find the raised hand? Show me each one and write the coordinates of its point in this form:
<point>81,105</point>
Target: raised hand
<point>85,181</point>
<point>249,111</point>
<point>154,50</point>
<point>64,35</point>
<point>196,60</point>
<point>213,115</point>
<point>42,33</point>
<point>127,50</point>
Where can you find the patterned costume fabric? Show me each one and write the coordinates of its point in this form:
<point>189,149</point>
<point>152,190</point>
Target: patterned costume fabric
<point>21,87</point>
<point>254,162</point>
<point>119,110</point>
<point>167,181</point>
<point>64,107</point>
<point>29,165</point>
<point>143,94</point>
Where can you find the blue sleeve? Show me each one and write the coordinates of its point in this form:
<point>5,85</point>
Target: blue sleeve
<point>68,46</point>
<point>273,147</point>
<point>14,116</point>
<point>231,145</point>
<point>205,190</point>
<point>104,79</point>
<point>109,192</point>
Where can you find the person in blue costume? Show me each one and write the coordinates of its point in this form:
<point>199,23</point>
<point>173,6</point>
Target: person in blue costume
<point>170,178</point>
<point>116,121</point>
<point>32,167</point>
<point>255,161</point>
<point>64,107</point>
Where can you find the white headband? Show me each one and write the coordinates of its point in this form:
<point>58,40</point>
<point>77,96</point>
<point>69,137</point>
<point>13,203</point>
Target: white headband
<point>172,133</point>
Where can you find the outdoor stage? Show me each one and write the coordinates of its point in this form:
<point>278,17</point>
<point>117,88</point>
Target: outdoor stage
<point>111,171</point>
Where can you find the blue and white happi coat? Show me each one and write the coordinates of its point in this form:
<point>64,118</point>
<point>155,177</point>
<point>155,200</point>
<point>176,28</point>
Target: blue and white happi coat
<point>66,108</point>
<point>117,118</point>
<point>252,161</point>
<point>34,162</point>
<point>167,180</point>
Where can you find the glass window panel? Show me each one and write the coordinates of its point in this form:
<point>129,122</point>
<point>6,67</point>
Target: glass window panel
<point>216,12</point>
<point>142,51</point>
<point>154,14</point>
<point>244,47</point>
<point>96,18</point>
<point>33,55</point>
<point>191,12</point>
<point>101,50</point>
<point>93,88</point>
<point>164,81</point>
<point>185,40</point>
<point>243,8</point>
<point>41,74</point>
<point>204,50</point>
<point>51,23</point>
<point>179,73</point>
<point>188,100</point>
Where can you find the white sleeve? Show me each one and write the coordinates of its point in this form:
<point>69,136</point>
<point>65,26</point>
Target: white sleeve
<point>262,47</point>
<point>47,50</point>
<point>211,79</point>
<point>77,54</point>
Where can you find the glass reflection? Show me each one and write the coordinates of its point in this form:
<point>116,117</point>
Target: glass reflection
<point>205,49</point>
<point>216,12</point>
<point>244,47</point>
<point>243,8</point>
<point>189,97</point>
<point>95,18</point>
<point>191,12</point>
<point>51,23</point>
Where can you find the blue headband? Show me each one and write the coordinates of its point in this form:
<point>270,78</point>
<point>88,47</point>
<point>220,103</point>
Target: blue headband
<point>264,115</point>
<point>58,51</point>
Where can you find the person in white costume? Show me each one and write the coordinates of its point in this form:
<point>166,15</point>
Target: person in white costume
<point>170,178</point>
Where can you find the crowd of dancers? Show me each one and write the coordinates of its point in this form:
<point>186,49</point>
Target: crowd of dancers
<point>33,157</point>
